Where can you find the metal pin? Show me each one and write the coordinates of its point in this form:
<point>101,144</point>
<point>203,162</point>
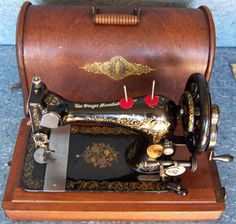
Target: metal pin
<point>126,96</point>
<point>126,102</point>
<point>153,88</point>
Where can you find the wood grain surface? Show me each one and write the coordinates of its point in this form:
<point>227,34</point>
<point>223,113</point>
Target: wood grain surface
<point>56,42</point>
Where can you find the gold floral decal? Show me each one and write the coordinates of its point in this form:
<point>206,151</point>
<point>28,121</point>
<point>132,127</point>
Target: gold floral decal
<point>100,155</point>
<point>157,126</point>
<point>52,100</point>
<point>117,68</point>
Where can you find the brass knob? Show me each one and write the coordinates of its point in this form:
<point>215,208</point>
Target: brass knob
<point>155,151</point>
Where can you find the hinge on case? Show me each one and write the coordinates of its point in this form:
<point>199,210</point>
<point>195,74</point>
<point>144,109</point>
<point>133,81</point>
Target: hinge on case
<point>16,86</point>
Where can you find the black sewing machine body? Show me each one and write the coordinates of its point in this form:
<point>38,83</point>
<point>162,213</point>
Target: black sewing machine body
<point>136,145</point>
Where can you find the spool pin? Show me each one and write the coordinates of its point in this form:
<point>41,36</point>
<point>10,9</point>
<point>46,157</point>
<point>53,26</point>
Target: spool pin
<point>126,102</point>
<point>152,100</point>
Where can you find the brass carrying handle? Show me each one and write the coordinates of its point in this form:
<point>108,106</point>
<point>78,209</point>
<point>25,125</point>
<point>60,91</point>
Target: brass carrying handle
<point>116,19</point>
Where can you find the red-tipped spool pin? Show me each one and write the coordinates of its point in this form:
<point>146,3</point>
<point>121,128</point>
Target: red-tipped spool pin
<point>127,102</point>
<point>152,100</point>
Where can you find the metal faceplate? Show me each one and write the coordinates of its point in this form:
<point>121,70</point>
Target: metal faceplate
<point>56,168</point>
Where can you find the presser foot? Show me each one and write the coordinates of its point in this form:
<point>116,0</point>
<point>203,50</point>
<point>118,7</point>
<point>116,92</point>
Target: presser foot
<point>43,154</point>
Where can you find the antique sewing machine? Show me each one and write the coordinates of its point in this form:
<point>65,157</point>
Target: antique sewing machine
<point>149,158</point>
<point>85,150</point>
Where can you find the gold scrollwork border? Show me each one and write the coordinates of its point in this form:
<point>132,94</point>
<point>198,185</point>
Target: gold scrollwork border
<point>84,185</point>
<point>95,130</point>
<point>120,186</point>
<point>27,175</point>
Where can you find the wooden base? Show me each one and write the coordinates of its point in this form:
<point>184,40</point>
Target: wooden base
<point>205,199</point>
